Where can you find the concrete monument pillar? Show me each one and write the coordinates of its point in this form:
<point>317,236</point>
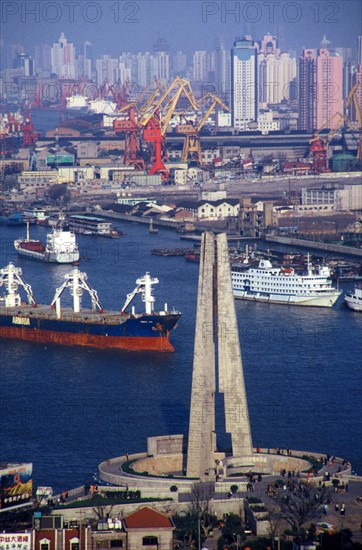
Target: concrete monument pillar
<point>216,316</point>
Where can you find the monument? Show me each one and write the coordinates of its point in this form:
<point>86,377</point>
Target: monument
<point>216,331</point>
<point>217,367</point>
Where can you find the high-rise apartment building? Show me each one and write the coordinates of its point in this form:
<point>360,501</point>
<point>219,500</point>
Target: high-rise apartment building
<point>320,89</point>
<point>329,72</point>
<point>359,51</point>
<point>307,90</point>
<point>106,70</point>
<point>43,59</point>
<point>199,66</point>
<point>244,83</point>
<point>63,58</point>
<point>276,72</point>
<point>223,73</point>
<point>179,63</point>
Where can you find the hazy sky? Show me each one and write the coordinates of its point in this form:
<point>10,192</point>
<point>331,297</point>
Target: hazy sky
<point>133,25</point>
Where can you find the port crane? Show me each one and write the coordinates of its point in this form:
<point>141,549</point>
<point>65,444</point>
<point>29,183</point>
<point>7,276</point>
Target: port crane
<point>156,118</point>
<point>148,120</point>
<point>192,147</point>
<point>130,127</point>
<point>319,147</point>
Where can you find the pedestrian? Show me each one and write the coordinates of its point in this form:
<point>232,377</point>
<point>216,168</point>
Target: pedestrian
<point>336,507</point>
<point>325,509</point>
<point>343,510</point>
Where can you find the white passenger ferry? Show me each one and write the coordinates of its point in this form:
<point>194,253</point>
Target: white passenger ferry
<point>278,285</point>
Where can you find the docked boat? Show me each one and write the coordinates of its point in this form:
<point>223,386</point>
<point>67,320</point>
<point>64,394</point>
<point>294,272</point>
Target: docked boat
<point>278,285</point>
<point>60,246</point>
<point>353,299</point>
<point>74,325</point>
<point>92,225</point>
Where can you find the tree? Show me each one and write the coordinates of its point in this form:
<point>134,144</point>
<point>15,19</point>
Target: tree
<point>59,192</point>
<point>232,528</point>
<point>300,502</point>
<point>195,523</point>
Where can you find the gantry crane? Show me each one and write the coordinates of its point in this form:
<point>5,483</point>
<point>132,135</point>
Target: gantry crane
<point>192,146</point>
<point>156,118</point>
<point>130,126</point>
<point>353,97</point>
<point>319,147</point>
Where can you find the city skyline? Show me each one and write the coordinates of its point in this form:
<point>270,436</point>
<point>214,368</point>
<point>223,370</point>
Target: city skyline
<point>115,27</point>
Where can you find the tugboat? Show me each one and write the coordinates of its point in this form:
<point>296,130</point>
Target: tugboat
<point>353,299</point>
<point>92,327</point>
<point>60,247</point>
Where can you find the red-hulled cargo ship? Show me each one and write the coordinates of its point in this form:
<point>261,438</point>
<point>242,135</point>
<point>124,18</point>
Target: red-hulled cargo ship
<point>94,327</point>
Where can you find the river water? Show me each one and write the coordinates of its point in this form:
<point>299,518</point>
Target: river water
<point>67,409</point>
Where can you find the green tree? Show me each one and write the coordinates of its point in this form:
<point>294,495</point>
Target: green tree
<point>300,502</point>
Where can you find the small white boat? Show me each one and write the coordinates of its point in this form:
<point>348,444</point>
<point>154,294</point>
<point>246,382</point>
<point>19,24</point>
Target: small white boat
<point>354,298</point>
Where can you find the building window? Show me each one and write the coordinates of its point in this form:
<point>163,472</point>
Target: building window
<point>116,543</point>
<point>149,541</point>
<point>44,544</point>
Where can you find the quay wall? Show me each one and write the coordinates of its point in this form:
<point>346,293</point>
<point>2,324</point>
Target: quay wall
<point>347,250</point>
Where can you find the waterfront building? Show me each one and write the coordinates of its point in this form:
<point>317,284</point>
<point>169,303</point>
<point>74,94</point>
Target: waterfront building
<point>63,58</point>
<point>244,83</point>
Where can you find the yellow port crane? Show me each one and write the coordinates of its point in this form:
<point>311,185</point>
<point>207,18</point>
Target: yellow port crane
<point>353,97</point>
<point>192,147</point>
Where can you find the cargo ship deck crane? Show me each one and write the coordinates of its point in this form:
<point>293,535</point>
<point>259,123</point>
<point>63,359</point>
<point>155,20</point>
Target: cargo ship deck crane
<point>143,286</point>
<point>11,279</point>
<point>77,282</point>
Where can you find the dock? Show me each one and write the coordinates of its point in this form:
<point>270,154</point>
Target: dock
<point>327,247</point>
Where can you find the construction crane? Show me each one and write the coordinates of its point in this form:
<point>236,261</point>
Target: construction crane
<point>192,146</point>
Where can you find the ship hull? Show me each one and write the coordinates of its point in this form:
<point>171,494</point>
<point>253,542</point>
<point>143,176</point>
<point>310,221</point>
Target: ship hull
<point>145,333</point>
<point>57,258</point>
<point>353,304</point>
<point>326,300</point>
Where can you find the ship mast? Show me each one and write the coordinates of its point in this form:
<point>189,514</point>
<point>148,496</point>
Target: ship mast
<point>76,281</point>
<point>143,285</point>
<point>10,277</point>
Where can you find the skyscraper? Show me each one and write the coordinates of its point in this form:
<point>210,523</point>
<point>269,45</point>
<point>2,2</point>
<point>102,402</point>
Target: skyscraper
<point>222,72</point>
<point>329,89</point>
<point>276,71</point>
<point>63,58</point>
<point>307,91</point>
<point>106,70</point>
<point>244,83</point>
